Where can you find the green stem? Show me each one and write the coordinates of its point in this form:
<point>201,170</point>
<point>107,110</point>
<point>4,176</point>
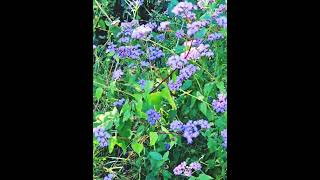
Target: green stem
<point>160,46</point>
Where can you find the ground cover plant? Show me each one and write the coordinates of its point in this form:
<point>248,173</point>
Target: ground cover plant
<point>160,89</point>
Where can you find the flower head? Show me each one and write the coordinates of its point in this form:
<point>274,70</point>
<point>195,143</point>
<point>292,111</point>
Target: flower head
<point>153,116</point>
<point>117,74</point>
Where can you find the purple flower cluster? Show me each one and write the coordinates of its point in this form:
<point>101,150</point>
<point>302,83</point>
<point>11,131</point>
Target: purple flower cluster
<point>175,62</point>
<point>153,116</point>
<point>219,10</point>
<point>184,74</point>
<point>151,25</point>
<point>117,74</point>
<point>154,53</point>
<point>160,37</point>
<point>109,177</point>
<point>195,26</point>
<point>204,50</point>
<point>183,9</point>
<point>180,34</point>
<point>183,169</point>
<point>144,63</point>
<point>135,3</point>
<point>224,137</point>
<point>220,104</point>
<point>126,30</point>
<point>142,83</point>
<point>167,146</point>
<point>102,136</point>
<point>164,26</point>
<point>141,32</point>
<point>222,21</point>
<point>190,129</point>
<point>133,52</point>
<point>215,36</point>
<point>124,40</point>
<point>111,47</point>
<point>119,102</point>
<point>203,4</point>
<point>197,52</point>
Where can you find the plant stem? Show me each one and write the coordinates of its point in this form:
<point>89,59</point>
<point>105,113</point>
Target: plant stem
<point>162,81</point>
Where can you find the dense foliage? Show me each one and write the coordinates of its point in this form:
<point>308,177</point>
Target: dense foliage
<point>160,95</point>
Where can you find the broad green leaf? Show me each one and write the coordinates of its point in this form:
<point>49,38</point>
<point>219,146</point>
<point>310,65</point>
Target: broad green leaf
<point>155,155</point>
<point>200,96</point>
<point>211,145</point>
<point>206,16</point>
<point>203,108</point>
<point>166,175</point>
<point>148,87</point>
<point>137,147</point>
<point>192,178</point>
<point>155,100</point>
<point>179,49</point>
<point>166,95</point>
<point>140,130</point>
<point>186,84</point>
<point>126,108</point>
<point>193,101</point>
<point>153,138</point>
<point>102,24</point>
<point>112,143</point>
<point>201,33</point>
<point>125,129</point>
<point>122,144</point>
<point>207,89</point>
<point>99,92</point>
<point>165,156</point>
<point>220,86</point>
<point>204,177</point>
<point>108,125</point>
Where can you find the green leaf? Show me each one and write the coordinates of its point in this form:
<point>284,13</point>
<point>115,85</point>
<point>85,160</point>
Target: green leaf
<point>140,130</point>
<point>122,144</point>
<point>211,145</point>
<point>110,54</point>
<point>102,24</point>
<point>220,86</point>
<point>153,138</point>
<point>155,100</point>
<point>126,108</point>
<point>166,95</point>
<point>165,156</point>
<point>186,84</point>
<point>166,175</point>
<point>147,88</point>
<point>137,147</point>
<point>99,92</point>
<point>155,155</point>
<point>200,96</point>
<point>201,33</point>
<point>207,89</point>
<point>192,178</point>
<point>112,87</point>
<point>108,125</point>
<point>203,108</point>
<point>204,177</point>
<point>112,143</point>
<point>206,16</point>
<point>221,122</point>
<point>125,129</point>
<point>179,49</point>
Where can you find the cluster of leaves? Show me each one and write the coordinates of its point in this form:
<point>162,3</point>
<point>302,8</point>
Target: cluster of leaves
<point>136,149</point>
